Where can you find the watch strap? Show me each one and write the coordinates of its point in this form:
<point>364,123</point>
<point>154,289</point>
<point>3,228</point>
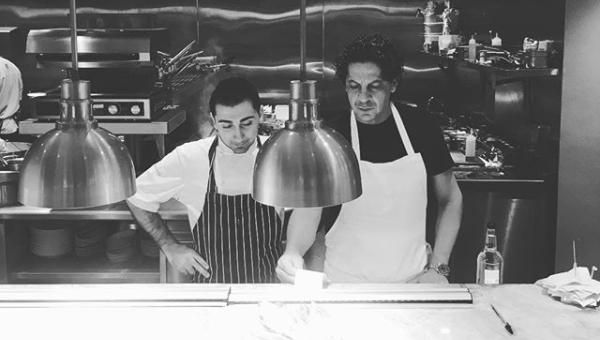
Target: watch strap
<point>441,268</point>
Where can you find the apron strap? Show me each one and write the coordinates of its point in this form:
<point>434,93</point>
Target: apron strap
<point>399,124</point>
<point>402,131</point>
<point>212,184</point>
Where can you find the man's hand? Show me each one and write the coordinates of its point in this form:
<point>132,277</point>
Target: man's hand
<point>430,276</point>
<point>288,264</point>
<point>186,260</point>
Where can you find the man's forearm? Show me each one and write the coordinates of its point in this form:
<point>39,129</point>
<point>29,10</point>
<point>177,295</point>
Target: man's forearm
<point>448,222</point>
<point>302,228</point>
<point>154,225</point>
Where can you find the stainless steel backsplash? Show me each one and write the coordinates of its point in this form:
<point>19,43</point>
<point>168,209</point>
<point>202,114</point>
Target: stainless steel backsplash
<point>263,37</point>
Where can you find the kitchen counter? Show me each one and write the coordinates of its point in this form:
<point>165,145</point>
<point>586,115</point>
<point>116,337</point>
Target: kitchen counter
<point>532,314</point>
<point>519,208</point>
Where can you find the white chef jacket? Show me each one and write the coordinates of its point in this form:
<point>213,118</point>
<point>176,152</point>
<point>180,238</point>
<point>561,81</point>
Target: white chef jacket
<point>11,89</point>
<point>183,174</point>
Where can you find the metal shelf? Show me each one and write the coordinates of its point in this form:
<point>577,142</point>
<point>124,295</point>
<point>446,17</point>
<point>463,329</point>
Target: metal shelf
<point>18,265</point>
<point>72,269</point>
<point>132,131</point>
<point>163,125</point>
<point>503,72</point>
<point>171,210</point>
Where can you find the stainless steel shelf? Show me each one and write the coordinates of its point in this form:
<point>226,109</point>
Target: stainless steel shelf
<point>164,124</point>
<point>18,265</point>
<point>504,72</point>
<point>133,131</point>
<point>72,269</point>
<point>170,211</point>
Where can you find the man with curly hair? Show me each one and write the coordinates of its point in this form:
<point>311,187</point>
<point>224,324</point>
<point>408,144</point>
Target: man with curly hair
<point>381,236</point>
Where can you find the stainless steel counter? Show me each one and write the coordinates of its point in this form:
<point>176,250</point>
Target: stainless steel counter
<point>524,213</point>
<point>520,208</point>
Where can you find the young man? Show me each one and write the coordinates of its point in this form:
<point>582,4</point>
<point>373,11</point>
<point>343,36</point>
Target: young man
<point>236,239</point>
<point>381,236</point>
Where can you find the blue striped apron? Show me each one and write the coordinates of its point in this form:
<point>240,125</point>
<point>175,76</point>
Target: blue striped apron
<point>240,238</point>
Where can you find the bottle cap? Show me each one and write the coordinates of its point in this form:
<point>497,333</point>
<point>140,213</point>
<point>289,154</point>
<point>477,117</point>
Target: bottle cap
<point>490,225</point>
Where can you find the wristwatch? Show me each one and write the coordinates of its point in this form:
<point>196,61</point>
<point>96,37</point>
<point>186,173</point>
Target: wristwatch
<point>441,268</point>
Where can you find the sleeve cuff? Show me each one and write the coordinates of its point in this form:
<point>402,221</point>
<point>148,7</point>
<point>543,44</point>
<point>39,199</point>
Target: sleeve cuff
<point>148,206</point>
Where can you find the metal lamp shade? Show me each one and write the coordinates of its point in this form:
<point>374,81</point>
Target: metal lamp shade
<point>309,165</point>
<point>77,164</point>
<point>76,169</point>
<point>306,164</point>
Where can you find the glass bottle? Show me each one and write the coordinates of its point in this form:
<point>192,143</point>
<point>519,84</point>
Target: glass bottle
<point>472,48</point>
<point>470,145</point>
<point>490,261</point>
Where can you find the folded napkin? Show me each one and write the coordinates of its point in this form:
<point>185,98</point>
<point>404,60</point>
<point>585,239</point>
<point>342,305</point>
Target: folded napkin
<point>574,287</point>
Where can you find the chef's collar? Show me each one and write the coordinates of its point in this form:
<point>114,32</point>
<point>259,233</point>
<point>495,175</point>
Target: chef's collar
<point>225,150</point>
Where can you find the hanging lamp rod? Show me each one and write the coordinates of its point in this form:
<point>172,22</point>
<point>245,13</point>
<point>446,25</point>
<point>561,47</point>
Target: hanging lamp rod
<point>303,40</point>
<point>73,21</point>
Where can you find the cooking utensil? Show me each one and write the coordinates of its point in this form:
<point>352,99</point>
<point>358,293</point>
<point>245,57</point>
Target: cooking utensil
<point>179,54</point>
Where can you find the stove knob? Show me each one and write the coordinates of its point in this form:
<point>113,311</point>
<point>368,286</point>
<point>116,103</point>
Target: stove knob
<point>113,109</point>
<point>135,109</point>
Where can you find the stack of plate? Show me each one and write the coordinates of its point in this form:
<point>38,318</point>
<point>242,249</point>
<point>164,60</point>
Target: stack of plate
<point>90,240</point>
<point>51,242</point>
<point>148,247</point>
<point>121,246</point>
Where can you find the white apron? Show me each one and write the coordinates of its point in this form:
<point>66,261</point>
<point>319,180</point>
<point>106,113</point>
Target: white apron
<point>381,236</point>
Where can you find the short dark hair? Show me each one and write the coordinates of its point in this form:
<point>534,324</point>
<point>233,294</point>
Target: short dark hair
<point>233,91</point>
<point>373,48</point>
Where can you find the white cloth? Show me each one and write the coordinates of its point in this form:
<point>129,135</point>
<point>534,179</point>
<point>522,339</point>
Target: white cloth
<point>11,91</point>
<point>381,236</point>
<point>9,125</point>
<point>183,175</point>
